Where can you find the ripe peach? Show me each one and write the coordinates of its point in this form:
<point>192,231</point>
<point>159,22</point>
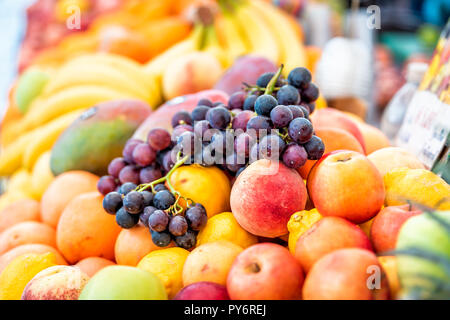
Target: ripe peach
<point>374,138</point>
<point>346,274</point>
<point>386,226</point>
<point>265,271</point>
<point>56,283</point>
<point>210,262</point>
<point>334,139</point>
<point>264,197</point>
<point>329,117</point>
<point>191,73</point>
<point>387,159</point>
<point>19,211</point>
<point>327,235</point>
<point>346,184</point>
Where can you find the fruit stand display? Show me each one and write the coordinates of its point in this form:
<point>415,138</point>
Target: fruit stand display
<point>182,150</point>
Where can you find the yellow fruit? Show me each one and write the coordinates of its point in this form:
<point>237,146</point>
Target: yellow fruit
<point>20,182</point>
<point>366,226</point>
<point>206,185</point>
<point>417,185</point>
<point>42,175</point>
<point>20,271</point>
<point>11,156</point>
<point>224,226</point>
<point>299,223</point>
<point>11,196</point>
<point>44,138</point>
<point>167,265</point>
<point>389,265</point>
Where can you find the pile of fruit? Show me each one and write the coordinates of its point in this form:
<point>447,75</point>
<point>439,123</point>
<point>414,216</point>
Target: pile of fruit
<point>246,186</point>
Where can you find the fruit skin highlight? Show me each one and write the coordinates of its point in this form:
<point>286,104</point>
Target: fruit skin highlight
<point>347,185</point>
<point>123,283</point>
<point>265,195</point>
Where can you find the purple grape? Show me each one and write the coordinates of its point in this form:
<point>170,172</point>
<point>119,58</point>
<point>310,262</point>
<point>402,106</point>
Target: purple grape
<point>259,123</point>
<point>299,77</point>
<point>288,95</point>
<point>159,139</point>
<point>281,116</point>
<point>130,173</point>
<point>232,162</point>
<point>294,156</point>
<point>144,155</point>
<point>300,130</point>
<point>196,217</point>
<point>315,148</point>
<point>249,102</point>
<point>146,214</point>
<point>218,117</point>
<point>161,239</point>
<point>236,100</point>
<point>129,148</point>
<point>181,117</point>
<point>200,128</point>
<point>163,200</point>
<point>115,166</point>
<point>297,112</point>
<point>310,93</point>
<point>148,197</point>
<point>199,113</point>
<point>160,187</point>
<point>179,130</point>
<point>112,202</point>
<point>264,104</point>
<point>126,188</point>
<point>305,109</point>
<point>149,174</point>
<point>133,202</point>
<point>265,78</point>
<point>187,142</point>
<point>178,226</point>
<point>242,144</point>
<point>158,220</point>
<point>205,102</point>
<point>186,241</point>
<point>240,120</point>
<point>126,220</point>
<point>168,161</point>
<point>271,147</point>
<point>106,184</point>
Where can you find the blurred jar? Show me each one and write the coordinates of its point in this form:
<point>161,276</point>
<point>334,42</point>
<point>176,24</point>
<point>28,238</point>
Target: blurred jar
<point>394,113</point>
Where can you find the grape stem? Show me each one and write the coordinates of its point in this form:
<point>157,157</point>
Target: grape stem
<point>271,85</point>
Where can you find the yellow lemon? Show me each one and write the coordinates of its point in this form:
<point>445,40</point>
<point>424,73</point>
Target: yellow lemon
<point>20,271</point>
<point>389,264</point>
<point>41,176</point>
<point>417,185</point>
<point>206,185</point>
<point>224,226</point>
<point>167,265</point>
<point>299,223</point>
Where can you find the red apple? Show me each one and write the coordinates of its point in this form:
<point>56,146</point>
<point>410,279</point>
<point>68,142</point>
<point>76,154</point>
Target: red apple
<point>204,290</point>
<point>347,274</point>
<point>347,185</point>
<point>386,226</point>
<point>327,235</point>
<point>265,195</point>
<point>265,271</point>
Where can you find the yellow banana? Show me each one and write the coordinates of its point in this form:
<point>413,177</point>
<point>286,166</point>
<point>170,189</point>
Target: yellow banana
<point>157,65</point>
<point>292,51</point>
<point>259,36</point>
<point>211,44</point>
<point>71,99</point>
<point>230,35</point>
<point>11,156</point>
<point>45,136</point>
<point>95,74</point>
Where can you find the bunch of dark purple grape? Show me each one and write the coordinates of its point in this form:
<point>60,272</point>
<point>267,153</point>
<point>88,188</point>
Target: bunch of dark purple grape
<point>159,210</point>
<point>269,120</point>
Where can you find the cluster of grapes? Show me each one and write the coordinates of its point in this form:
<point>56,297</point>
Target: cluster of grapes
<point>159,210</point>
<point>269,120</point>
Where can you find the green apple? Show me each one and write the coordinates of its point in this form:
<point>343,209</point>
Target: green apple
<point>30,85</point>
<point>123,283</point>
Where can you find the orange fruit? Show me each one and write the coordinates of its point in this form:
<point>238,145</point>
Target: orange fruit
<point>64,188</point>
<point>86,230</point>
<point>27,232</point>
<point>134,244</point>
<point>19,211</point>
<point>92,265</point>
<point>10,255</point>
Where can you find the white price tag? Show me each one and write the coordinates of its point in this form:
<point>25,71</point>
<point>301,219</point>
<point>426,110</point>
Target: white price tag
<point>425,128</point>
